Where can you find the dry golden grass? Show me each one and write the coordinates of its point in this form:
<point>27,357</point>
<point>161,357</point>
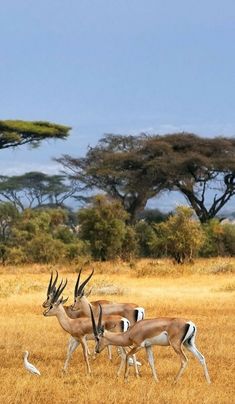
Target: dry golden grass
<point>202,292</point>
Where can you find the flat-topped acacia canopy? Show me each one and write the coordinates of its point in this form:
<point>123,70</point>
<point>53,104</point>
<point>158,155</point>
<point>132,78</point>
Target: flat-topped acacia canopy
<point>16,132</point>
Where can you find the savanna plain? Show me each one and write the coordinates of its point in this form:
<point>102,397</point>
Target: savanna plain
<point>203,292</point>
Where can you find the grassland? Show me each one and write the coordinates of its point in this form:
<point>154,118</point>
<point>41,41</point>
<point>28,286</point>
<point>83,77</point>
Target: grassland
<point>203,292</point>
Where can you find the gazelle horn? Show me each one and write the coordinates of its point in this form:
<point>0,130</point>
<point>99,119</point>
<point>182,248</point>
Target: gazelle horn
<point>93,322</point>
<point>77,284</point>
<point>51,286</point>
<point>79,289</point>
<point>100,319</point>
<point>59,291</point>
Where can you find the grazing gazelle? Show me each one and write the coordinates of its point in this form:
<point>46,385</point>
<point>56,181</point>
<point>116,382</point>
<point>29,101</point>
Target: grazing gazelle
<point>79,328</point>
<point>130,311</point>
<point>164,331</point>
<point>73,343</point>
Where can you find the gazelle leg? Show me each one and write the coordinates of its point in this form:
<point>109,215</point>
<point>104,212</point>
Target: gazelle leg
<point>122,354</point>
<point>192,348</point>
<point>130,353</point>
<point>85,353</point>
<point>184,360</point>
<point>72,345</point>
<point>110,352</point>
<point>88,351</point>
<point>135,366</point>
<point>151,361</point>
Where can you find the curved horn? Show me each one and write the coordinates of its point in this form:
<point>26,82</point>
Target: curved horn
<point>56,294</point>
<point>63,287</point>
<point>81,287</point>
<point>100,319</point>
<point>49,286</point>
<point>59,291</point>
<point>54,283</point>
<point>93,322</point>
<point>77,284</point>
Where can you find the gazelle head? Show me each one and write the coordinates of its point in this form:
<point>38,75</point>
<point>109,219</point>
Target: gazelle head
<point>98,331</point>
<point>56,300</point>
<point>50,290</point>
<point>79,290</point>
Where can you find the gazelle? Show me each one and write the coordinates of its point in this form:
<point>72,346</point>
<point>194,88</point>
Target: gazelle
<point>73,342</point>
<point>79,328</point>
<point>69,309</point>
<point>164,331</point>
<point>130,311</point>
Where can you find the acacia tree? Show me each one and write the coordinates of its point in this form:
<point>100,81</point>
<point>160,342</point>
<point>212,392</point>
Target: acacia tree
<point>123,167</point>
<point>17,133</point>
<point>35,189</point>
<point>202,169</point>
<point>134,169</point>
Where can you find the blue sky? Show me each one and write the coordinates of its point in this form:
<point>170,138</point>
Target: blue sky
<point>106,66</point>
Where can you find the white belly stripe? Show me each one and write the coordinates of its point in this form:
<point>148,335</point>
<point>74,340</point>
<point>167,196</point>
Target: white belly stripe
<point>161,339</point>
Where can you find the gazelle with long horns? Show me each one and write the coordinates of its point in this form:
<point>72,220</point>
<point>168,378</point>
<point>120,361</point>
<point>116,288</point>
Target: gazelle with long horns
<point>69,309</point>
<point>79,328</point>
<point>130,311</point>
<point>164,331</point>
<point>73,342</point>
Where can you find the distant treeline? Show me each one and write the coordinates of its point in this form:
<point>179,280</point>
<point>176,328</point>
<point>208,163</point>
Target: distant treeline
<point>36,224</point>
<point>101,231</point>
<point>133,170</point>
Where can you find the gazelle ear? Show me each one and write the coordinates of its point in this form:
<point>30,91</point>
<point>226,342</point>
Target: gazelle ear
<point>64,300</point>
<point>88,293</point>
<point>61,301</point>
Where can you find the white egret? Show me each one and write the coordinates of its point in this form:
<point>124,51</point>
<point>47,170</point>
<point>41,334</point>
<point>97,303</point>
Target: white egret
<point>31,368</point>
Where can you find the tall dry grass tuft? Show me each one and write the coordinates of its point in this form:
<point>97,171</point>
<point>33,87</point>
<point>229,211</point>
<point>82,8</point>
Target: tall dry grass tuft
<point>195,292</point>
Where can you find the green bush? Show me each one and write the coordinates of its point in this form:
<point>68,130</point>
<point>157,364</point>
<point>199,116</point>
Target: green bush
<point>44,249</point>
<point>9,215</point>
<point>103,225</point>
<point>130,247</point>
<point>147,240</point>
<point>219,239</point>
<point>64,234</point>
<point>15,256</point>
<point>229,238</point>
<point>76,250</point>
<point>180,235</point>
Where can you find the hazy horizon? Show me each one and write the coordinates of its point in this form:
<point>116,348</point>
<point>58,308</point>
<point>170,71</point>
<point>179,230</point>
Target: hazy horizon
<point>115,67</point>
